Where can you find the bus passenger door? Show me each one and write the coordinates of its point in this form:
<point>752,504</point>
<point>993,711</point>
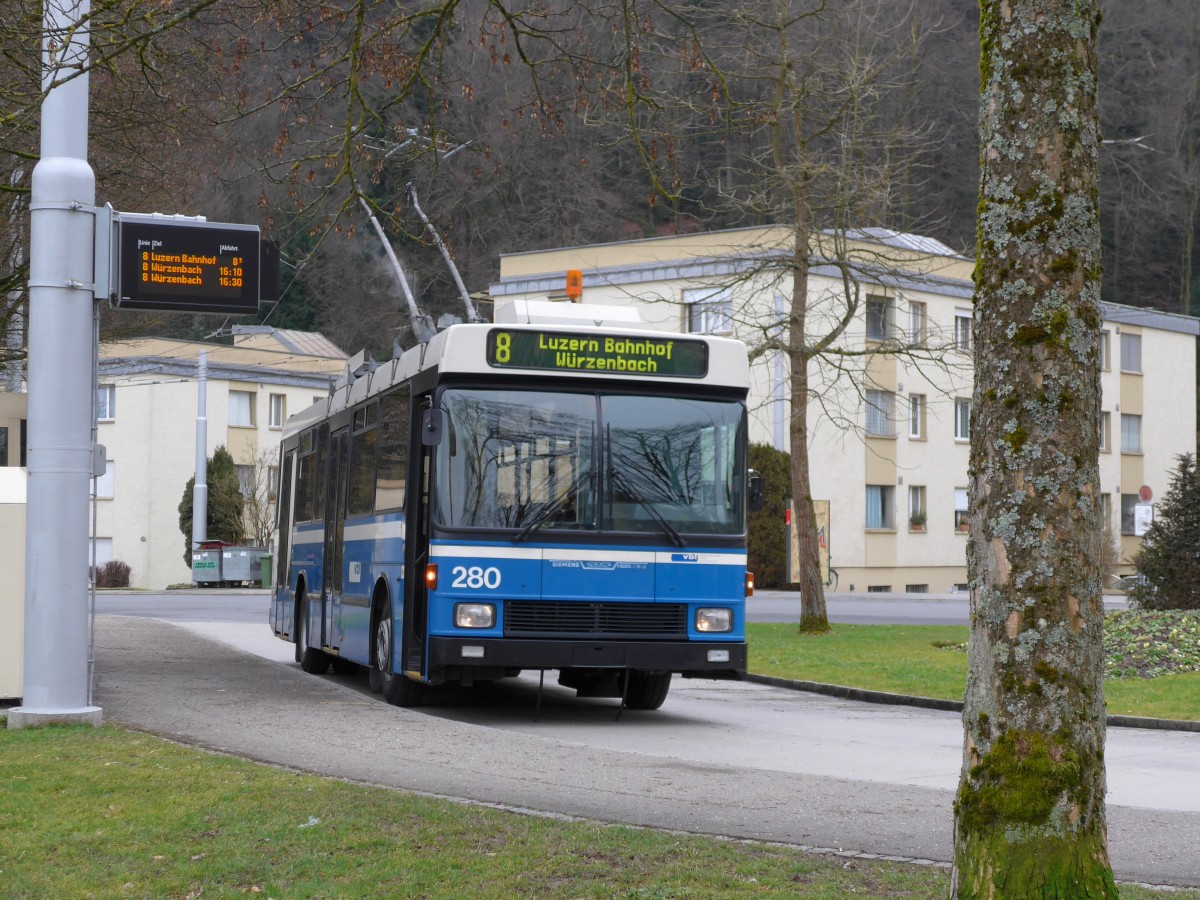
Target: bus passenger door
<point>416,552</point>
<point>335,530</point>
<point>281,601</point>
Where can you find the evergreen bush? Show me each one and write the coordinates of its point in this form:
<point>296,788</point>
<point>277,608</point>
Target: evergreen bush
<point>1168,562</point>
<point>767,538</point>
<point>226,505</point>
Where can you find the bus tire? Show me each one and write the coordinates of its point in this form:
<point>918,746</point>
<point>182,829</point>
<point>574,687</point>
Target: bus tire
<point>646,690</point>
<point>312,660</point>
<point>397,688</point>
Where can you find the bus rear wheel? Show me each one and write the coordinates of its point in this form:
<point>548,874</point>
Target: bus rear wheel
<point>646,690</point>
<point>397,689</point>
<point>312,660</point>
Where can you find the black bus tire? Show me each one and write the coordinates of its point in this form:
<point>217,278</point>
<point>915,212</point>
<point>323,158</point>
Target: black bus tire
<point>646,690</point>
<point>397,689</point>
<point>312,660</point>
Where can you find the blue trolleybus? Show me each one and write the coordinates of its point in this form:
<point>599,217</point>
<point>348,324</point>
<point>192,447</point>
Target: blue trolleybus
<point>522,496</point>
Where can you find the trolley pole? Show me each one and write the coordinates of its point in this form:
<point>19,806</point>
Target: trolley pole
<point>61,391</point>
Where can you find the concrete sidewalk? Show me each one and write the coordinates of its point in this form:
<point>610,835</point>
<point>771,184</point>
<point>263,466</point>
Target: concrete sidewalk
<point>167,680</point>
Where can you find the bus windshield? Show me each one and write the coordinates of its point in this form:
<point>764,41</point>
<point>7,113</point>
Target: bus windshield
<point>534,461</point>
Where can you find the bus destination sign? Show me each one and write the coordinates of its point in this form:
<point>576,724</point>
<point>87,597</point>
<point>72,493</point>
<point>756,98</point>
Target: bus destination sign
<point>187,265</point>
<point>597,353</point>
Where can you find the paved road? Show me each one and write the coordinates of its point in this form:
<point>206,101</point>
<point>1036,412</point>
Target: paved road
<point>737,759</point>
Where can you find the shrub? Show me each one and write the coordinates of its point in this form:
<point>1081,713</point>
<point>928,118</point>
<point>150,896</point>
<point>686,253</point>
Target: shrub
<point>113,574</point>
<point>1168,562</point>
<point>767,539</point>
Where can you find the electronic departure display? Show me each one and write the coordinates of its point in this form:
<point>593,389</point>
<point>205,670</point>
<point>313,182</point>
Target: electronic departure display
<point>186,265</point>
<point>599,353</point>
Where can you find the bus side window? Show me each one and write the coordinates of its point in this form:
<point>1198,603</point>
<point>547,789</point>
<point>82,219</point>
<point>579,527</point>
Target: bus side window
<point>304,487</point>
<point>361,495</point>
<point>393,451</point>
<point>320,464</point>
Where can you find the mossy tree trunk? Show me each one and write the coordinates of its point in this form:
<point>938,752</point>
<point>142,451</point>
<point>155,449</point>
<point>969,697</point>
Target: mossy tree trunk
<point>1029,815</point>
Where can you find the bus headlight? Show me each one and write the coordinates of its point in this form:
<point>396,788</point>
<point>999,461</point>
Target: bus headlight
<point>474,615</point>
<point>716,618</point>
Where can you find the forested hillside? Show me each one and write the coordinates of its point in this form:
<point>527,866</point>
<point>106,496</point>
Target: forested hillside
<point>518,131</point>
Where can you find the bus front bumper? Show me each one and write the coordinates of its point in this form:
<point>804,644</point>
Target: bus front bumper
<point>691,659</point>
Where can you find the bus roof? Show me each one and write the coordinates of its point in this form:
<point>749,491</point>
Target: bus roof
<point>554,350</point>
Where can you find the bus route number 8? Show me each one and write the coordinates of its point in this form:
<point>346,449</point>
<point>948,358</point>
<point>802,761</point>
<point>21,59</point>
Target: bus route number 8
<point>475,577</point>
<point>503,347</point>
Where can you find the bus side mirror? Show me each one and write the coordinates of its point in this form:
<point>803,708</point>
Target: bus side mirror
<point>433,426</point>
<point>755,499</point>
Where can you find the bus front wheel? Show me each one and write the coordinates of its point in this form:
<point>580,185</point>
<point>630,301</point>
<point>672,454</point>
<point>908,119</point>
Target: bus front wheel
<point>646,690</point>
<point>397,689</point>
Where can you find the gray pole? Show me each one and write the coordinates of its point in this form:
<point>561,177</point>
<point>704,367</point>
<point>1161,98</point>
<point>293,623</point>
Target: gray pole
<point>200,488</point>
<point>61,391</point>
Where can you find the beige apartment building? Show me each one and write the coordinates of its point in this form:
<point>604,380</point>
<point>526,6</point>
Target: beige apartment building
<point>147,411</point>
<point>890,415</point>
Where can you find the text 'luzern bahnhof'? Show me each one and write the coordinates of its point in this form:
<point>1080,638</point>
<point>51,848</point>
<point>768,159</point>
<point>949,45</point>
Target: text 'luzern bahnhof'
<point>583,353</point>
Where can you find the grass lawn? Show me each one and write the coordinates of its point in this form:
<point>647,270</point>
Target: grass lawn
<point>108,813</point>
<point>914,659</point>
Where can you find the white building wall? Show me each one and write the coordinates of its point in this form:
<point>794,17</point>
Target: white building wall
<point>152,445</point>
<point>653,275</point>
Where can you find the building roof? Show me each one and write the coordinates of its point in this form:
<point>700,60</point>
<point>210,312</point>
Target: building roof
<point>266,360</point>
<point>307,343</point>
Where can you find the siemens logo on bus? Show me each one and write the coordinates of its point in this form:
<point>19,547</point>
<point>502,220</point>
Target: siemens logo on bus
<point>566,352</point>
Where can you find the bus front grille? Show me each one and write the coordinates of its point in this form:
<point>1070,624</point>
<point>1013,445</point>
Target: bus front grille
<point>630,621</point>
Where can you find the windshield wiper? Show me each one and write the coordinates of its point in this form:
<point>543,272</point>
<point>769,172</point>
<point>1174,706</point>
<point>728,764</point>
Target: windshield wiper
<point>552,509</point>
<point>667,528</point>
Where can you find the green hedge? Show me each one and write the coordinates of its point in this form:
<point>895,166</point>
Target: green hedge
<point>768,532</point>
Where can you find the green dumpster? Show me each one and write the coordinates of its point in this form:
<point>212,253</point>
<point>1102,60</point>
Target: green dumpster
<point>265,569</point>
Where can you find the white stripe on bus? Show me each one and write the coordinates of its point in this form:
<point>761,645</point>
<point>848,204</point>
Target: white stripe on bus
<point>454,551</point>
<point>370,531</point>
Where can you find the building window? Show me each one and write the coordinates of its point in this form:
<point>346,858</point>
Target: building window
<point>106,403</point>
<point>916,507</point>
<point>4,445</point>
<point>879,588</point>
<point>241,409</point>
<point>709,310</point>
<point>105,483</point>
<point>879,314</point>
<point>1131,353</point>
<point>962,330</point>
<point>916,324</point>
<point>1129,503</point>
<point>1105,431</point>
<point>962,419</point>
<point>278,410</point>
<point>245,476</point>
<point>1104,350</point>
<point>879,506</point>
<point>962,515</point>
<point>916,416</point>
<point>1105,513</point>
<point>104,550</point>
<point>1131,434</point>
<point>916,589</point>
<point>879,413</point>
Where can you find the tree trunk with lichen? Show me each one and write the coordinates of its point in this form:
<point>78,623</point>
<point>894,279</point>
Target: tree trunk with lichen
<point>1029,814</point>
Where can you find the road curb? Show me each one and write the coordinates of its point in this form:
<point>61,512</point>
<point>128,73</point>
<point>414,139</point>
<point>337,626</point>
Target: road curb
<point>844,692</point>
